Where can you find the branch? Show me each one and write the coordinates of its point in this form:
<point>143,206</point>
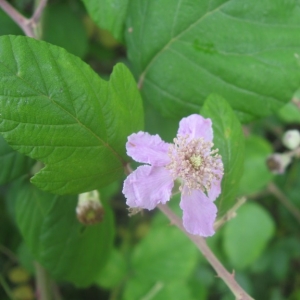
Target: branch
<point>38,12</point>
<point>230,214</point>
<point>274,190</point>
<point>19,19</point>
<point>200,242</point>
<point>27,25</point>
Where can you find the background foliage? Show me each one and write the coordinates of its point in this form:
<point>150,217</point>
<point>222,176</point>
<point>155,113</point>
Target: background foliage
<point>69,101</point>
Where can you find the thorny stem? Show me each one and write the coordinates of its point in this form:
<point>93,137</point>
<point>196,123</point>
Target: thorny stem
<point>231,213</point>
<point>200,242</point>
<point>45,287</point>
<point>27,25</point>
<point>273,189</point>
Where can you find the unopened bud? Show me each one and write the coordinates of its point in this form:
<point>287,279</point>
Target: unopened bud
<point>89,209</point>
<point>291,139</point>
<point>277,163</point>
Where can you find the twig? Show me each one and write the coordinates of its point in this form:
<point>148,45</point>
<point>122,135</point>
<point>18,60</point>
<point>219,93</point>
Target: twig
<point>42,283</point>
<point>231,213</point>
<point>284,201</point>
<point>19,19</point>
<point>38,12</point>
<point>200,242</point>
<point>27,25</point>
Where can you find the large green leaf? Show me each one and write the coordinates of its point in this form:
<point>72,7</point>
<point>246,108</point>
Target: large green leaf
<point>55,109</point>
<point>247,235</point>
<point>13,164</point>
<point>184,50</point>
<point>108,14</point>
<point>229,139</point>
<point>67,249</point>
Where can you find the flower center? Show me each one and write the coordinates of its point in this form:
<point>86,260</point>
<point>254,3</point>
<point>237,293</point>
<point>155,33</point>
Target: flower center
<point>193,161</point>
<point>196,161</point>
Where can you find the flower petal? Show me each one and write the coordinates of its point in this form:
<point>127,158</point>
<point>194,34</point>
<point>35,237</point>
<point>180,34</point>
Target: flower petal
<point>215,189</point>
<point>149,149</point>
<point>199,213</point>
<point>148,186</point>
<point>196,127</point>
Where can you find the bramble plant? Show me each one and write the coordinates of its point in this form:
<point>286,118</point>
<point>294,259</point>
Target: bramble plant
<point>109,109</point>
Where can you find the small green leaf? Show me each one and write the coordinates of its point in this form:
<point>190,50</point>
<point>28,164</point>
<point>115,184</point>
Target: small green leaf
<point>108,14</point>
<point>67,249</point>
<point>229,139</point>
<point>13,164</point>
<point>64,28</point>
<point>256,152</point>
<point>247,235</point>
<point>55,108</point>
<point>184,50</point>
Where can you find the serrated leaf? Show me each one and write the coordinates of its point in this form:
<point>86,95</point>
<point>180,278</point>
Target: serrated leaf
<point>108,14</point>
<point>229,139</point>
<point>54,108</point>
<point>67,249</point>
<point>246,236</point>
<point>13,164</point>
<point>184,50</point>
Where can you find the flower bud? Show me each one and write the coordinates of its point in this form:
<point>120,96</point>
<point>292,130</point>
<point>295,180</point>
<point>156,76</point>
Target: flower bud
<point>277,163</point>
<point>291,139</point>
<point>89,209</point>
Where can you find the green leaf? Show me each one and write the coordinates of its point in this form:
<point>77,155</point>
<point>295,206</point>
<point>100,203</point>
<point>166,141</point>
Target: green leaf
<point>171,257</point>
<point>162,268</point>
<point>137,288</point>
<point>55,109</point>
<point>229,139</point>
<point>64,28</point>
<point>67,249</point>
<point>290,113</point>
<point>108,14</point>
<point>113,272</point>
<point>256,152</point>
<point>247,235</point>
<point>184,50</point>
<point>13,164</point>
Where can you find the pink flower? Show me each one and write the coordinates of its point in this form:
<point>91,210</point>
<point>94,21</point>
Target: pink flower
<point>189,160</point>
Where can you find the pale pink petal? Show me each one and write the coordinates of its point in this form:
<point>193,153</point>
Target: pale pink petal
<point>148,186</point>
<point>215,189</point>
<point>196,127</point>
<point>199,213</point>
<point>149,149</point>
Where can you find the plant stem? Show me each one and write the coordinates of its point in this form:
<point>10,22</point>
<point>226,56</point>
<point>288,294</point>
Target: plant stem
<point>46,288</point>
<point>200,242</point>
<point>38,12</point>
<point>27,25</point>
<point>19,19</point>
<point>284,201</point>
<point>231,213</point>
